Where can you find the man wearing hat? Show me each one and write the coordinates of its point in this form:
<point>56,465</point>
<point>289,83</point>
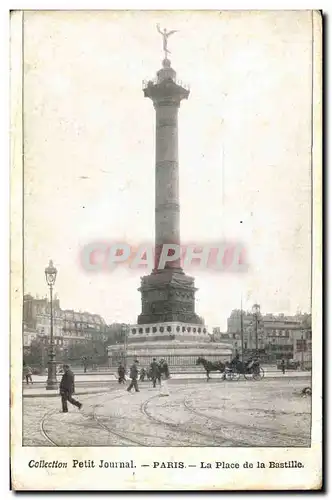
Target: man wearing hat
<point>67,389</point>
<point>133,375</point>
<point>155,372</point>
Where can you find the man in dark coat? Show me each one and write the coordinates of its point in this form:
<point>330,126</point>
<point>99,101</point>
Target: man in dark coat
<point>28,374</point>
<point>133,375</point>
<point>85,363</point>
<point>67,389</point>
<point>142,375</point>
<point>155,372</point>
<point>122,374</point>
<point>235,361</point>
<point>283,366</point>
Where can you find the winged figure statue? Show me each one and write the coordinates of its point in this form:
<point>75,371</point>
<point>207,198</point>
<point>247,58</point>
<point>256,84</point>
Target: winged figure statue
<point>165,34</point>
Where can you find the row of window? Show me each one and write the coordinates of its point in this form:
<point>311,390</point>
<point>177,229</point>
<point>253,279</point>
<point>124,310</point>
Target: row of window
<point>68,324</point>
<point>161,329</point>
<point>74,334</point>
<point>272,345</point>
<point>63,342</point>
<point>303,345</point>
<point>272,335</point>
<point>69,333</point>
<point>278,333</point>
<point>281,347</point>
<point>46,320</point>
<point>67,315</point>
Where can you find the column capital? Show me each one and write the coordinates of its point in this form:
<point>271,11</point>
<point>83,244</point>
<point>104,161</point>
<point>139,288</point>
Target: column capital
<point>165,93</point>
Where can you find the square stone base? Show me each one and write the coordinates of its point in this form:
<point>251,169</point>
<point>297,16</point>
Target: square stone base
<point>168,296</point>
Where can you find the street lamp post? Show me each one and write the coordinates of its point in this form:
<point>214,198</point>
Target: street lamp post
<point>256,313</point>
<point>50,274</point>
<point>124,329</point>
<point>241,327</point>
<point>302,351</point>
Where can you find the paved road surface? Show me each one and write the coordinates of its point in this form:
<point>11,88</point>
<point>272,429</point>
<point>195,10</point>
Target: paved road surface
<point>270,412</point>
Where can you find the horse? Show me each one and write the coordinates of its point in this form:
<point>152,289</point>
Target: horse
<point>210,366</point>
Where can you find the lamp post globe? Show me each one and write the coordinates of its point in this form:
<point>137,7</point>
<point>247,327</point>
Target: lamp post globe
<point>50,275</point>
<point>256,309</point>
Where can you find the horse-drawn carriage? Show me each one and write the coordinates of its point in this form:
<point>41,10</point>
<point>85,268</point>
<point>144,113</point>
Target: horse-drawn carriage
<point>248,370</point>
<point>233,370</point>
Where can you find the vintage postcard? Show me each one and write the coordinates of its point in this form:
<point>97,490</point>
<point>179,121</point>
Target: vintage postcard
<point>166,243</point>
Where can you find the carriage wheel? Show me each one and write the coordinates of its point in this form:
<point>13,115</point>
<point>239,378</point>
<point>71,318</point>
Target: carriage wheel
<point>235,375</point>
<point>258,375</point>
<point>248,376</point>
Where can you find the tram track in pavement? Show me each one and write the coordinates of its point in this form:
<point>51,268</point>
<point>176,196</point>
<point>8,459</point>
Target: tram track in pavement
<point>226,441</point>
<point>132,441</point>
<point>239,426</point>
<point>43,431</point>
<point>218,440</point>
<point>49,413</point>
<point>116,433</point>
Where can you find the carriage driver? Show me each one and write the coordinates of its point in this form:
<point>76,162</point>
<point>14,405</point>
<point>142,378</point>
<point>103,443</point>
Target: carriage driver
<point>252,361</point>
<point>235,361</point>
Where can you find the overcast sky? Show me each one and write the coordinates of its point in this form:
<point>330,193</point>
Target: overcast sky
<point>244,151</point>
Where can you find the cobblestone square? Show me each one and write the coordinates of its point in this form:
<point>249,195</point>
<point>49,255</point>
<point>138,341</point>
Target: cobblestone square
<point>196,413</point>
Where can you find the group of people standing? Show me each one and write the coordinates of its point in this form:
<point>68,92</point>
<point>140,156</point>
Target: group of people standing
<point>158,372</point>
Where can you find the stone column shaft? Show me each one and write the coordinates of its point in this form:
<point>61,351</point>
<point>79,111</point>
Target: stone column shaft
<point>167,208</point>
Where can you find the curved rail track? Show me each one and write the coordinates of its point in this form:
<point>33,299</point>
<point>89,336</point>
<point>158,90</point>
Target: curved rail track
<point>235,425</point>
<point>47,436</point>
<point>116,433</point>
<point>44,433</point>
<point>183,428</point>
<point>218,435</point>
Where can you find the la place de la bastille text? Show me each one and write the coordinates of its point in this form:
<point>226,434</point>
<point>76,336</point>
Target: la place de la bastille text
<point>104,464</point>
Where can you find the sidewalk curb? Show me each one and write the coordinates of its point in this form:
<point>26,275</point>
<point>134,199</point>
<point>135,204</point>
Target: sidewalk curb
<point>100,390</point>
<point>49,394</point>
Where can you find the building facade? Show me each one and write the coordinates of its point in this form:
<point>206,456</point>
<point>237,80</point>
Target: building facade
<point>278,336</point>
<point>69,327</point>
<point>302,348</point>
<point>249,322</point>
<point>29,335</point>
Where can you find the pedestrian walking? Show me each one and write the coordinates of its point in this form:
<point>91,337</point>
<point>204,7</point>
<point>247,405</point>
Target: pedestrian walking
<point>155,372</point>
<point>28,374</point>
<point>142,375</point>
<point>85,363</point>
<point>133,375</point>
<point>67,389</point>
<point>122,374</point>
<point>165,375</point>
<point>283,366</point>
